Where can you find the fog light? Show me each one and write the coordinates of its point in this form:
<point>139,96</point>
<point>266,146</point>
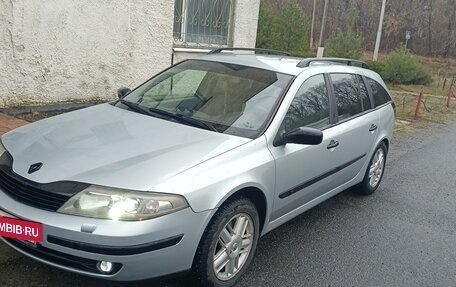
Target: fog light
<point>105,266</point>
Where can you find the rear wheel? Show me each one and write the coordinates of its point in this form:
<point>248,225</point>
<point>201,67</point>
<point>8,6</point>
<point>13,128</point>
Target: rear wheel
<point>374,172</point>
<point>228,244</point>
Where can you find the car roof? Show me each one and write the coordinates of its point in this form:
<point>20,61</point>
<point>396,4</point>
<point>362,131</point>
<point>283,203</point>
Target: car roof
<point>277,63</point>
<point>284,64</point>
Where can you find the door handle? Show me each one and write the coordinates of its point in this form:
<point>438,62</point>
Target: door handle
<point>332,144</point>
<point>373,128</point>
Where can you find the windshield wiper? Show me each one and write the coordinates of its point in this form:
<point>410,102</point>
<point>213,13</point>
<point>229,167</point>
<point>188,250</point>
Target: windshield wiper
<point>179,117</point>
<point>184,119</point>
<point>136,107</point>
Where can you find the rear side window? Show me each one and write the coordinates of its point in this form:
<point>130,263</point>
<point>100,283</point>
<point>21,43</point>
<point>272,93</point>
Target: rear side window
<point>381,96</point>
<point>310,107</point>
<point>351,95</point>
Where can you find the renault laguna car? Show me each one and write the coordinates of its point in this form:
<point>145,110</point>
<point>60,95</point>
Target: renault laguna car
<point>188,170</point>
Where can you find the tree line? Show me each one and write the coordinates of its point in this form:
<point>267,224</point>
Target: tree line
<point>432,24</point>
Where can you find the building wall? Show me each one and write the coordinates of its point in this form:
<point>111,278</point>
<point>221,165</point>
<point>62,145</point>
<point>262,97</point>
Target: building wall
<point>79,50</point>
<point>245,23</point>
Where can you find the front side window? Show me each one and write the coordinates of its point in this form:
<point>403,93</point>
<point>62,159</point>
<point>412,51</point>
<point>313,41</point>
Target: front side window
<point>202,22</point>
<point>381,96</point>
<point>225,98</point>
<point>310,107</point>
<point>351,95</point>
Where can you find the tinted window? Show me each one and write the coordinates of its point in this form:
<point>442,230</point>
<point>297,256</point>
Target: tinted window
<point>381,96</point>
<point>362,91</point>
<point>351,95</point>
<point>310,107</point>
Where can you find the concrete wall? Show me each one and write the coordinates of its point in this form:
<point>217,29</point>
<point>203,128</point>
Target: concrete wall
<point>80,50</point>
<point>245,22</point>
<point>60,50</point>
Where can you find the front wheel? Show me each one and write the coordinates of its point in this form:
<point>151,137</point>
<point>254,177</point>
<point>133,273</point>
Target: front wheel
<point>374,172</point>
<point>228,244</point>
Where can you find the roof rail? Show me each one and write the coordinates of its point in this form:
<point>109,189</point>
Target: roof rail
<point>262,51</point>
<point>349,62</point>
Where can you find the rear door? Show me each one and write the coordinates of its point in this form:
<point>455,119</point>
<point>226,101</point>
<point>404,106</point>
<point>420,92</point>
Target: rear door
<point>357,125</point>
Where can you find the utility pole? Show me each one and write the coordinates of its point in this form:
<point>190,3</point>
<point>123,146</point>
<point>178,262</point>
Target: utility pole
<point>312,27</point>
<point>323,22</point>
<point>429,10</point>
<point>379,31</point>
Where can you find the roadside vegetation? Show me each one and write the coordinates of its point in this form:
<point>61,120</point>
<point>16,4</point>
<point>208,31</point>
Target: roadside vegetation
<point>344,45</point>
<point>285,29</point>
<point>402,67</point>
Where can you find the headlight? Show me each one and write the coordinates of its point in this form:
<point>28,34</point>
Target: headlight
<point>117,204</point>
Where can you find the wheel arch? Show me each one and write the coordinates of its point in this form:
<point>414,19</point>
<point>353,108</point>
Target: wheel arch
<point>386,142</point>
<point>258,198</point>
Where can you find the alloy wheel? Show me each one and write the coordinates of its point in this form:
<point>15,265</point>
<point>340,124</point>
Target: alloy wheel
<point>376,168</point>
<point>233,246</point>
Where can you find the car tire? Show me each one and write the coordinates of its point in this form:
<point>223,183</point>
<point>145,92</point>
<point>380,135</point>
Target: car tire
<point>374,172</point>
<point>229,243</point>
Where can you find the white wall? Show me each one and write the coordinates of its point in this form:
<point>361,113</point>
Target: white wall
<point>60,50</point>
<point>79,50</point>
<point>245,23</point>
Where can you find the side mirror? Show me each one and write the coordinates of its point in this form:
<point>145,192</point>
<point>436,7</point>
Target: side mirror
<point>301,135</point>
<point>122,92</point>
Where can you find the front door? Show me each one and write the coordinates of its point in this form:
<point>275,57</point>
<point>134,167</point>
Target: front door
<point>303,172</point>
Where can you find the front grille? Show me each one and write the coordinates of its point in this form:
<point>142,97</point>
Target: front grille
<point>60,258</point>
<point>31,195</point>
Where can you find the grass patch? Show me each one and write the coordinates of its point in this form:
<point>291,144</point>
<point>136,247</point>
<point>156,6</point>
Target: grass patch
<point>434,88</point>
<point>433,110</point>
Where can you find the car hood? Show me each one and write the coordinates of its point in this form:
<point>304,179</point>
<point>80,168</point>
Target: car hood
<point>110,146</point>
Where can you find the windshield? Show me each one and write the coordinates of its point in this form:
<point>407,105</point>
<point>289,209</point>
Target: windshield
<point>225,98</point>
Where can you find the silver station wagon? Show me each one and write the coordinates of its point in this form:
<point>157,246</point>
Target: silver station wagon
<point>188,170</point>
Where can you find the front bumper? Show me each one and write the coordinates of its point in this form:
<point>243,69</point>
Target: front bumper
<point>139,249</point>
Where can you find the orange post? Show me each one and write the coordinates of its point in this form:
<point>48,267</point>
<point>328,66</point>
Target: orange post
<point>418,106</point>
<point>448,99</point>
<point>450,94</point>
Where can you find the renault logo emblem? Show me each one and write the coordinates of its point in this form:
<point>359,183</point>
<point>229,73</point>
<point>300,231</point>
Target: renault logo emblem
<point>35,167</point>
